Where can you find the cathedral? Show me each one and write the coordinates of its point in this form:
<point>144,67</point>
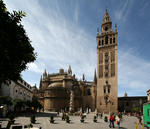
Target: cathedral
<point>62,91</point>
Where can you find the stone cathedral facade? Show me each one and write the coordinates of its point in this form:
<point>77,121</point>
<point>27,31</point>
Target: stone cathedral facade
<point>62,91</point>
<point>107,90</point>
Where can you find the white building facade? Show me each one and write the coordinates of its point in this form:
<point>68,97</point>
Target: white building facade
<point>17,90</point>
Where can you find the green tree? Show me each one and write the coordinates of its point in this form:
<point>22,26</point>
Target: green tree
<point>136,109</point>
<point>28,104</point>
<point>18,104</point>
<point>5,100</point>
<point>15,46</point>
<point>36,104</point>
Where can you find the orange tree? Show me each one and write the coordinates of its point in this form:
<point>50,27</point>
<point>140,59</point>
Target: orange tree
<point>15,46</point>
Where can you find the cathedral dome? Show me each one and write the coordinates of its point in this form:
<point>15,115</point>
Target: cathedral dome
<point>55,85</point>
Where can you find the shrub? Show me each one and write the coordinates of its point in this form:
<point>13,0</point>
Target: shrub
<point>32,119</point>
<point>95,119</point>
<point>11,118</point>
<point>106,119</point>
<point>51,119</point>
<point>67,119</point>
<point>82,119</point>
<point>28,126</point>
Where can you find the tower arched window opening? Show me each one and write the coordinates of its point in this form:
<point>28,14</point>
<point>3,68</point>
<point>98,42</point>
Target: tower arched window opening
<point>99,42</point>
<point>110,40</point>
<point>106,40</point>
<point>102,42</point>
<point>113,40</point>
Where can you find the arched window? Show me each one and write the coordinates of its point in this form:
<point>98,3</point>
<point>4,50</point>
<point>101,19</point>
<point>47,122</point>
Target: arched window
<point>99,43</point>
<point>88,92</point>
<point>106,40</point>
<point>104,89</point>
<point>110,40</point>
<point>108,89</point>
<point>106,74</point>
<point>113,40</point>
<point>102,42</point>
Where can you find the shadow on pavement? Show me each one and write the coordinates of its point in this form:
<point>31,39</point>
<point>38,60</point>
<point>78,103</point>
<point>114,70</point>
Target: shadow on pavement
<point>122,128</point>
<point>38,114</point>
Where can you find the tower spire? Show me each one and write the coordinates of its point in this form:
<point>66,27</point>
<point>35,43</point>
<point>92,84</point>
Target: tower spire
<point>106,23</point>
<point>95,77</point>
<point>106,10</point>
<point>44,75</point>
<point>83,77</point>
<point>115,27</point>
<point>97,29</point>
<point>69,70</point>
<point>106,17</point>
<point>41,82</point>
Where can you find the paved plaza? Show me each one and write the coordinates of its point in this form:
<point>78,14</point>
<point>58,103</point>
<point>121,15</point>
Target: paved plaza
<point>43,121</point>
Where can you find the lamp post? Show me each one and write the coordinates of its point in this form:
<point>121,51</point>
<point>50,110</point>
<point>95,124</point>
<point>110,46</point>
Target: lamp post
<point>140,106</point>
<point>106,100</point>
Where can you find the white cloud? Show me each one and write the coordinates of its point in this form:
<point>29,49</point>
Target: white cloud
<point>123,10</point>
<point>37,68</point>
<point>134,72</point>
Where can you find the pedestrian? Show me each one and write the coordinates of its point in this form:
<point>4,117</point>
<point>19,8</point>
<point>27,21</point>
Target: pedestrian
<point>101,115</point>
<point>111,121</point>
<point>63,116</point>
<point>97,114</point>
<point>117,121</point>
<point>58,113</point>
<point>140,120</point>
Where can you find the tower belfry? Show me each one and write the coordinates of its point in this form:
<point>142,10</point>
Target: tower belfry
<point>107,89</point>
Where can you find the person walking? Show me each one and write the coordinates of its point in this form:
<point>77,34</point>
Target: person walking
<point>111,120</point>
<point>117,121</point>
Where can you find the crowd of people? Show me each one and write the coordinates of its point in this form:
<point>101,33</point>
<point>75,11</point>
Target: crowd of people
<point>114,119</point>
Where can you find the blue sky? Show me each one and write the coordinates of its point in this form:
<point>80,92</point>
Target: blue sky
<point>63,33</point>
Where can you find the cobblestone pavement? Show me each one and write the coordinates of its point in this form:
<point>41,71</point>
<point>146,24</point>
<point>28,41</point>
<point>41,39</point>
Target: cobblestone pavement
<point>43,121</point>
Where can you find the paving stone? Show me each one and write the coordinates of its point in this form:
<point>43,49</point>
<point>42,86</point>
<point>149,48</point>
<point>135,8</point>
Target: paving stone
<point>41,121</point>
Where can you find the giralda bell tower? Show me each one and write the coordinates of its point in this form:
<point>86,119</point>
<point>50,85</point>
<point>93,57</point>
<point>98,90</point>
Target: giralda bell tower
<point>107,89</point>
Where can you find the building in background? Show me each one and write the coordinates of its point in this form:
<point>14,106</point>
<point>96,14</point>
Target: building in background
<point>17,90</point>
<point>148,95</point>
<point>62,91</point>
<point>107,87</point>
<point>131,103</point>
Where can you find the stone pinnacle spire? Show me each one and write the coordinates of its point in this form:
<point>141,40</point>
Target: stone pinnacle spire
<point>44,75</point>
<point>83,77</point>
<point>69,70</point>
<point>95,77</point>
<point>40,83</point>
